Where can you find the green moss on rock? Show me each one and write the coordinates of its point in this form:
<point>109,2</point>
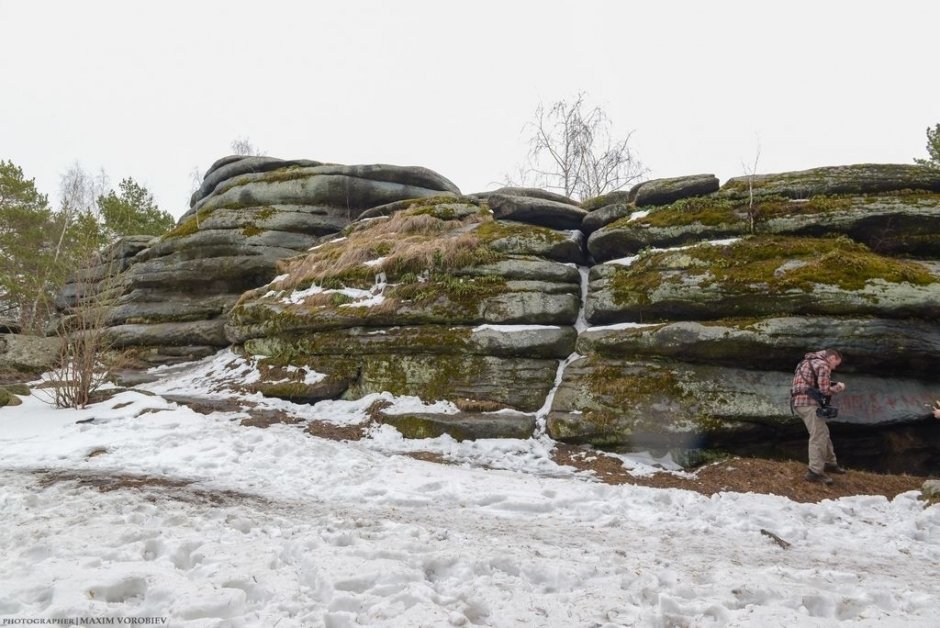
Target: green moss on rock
<point>7,398</point>
<point>767,264</point>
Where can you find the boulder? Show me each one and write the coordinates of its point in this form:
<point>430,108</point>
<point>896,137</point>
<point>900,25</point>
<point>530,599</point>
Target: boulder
<point>516,383</point>
<point>528,240</point>
<point>306,220</point>
<point>534,193</point>
<point>536,211</point>
<point>437,300</point>
<point>605,215</point>
<point>875,346</point>
<point>355,188</point>
<point>618,197</point>
<point>680,405</point>
<point>198,332</point>
<point>666,191</point>
<point>250,214</point>
<point>234,165</point>
<point>532,341</point>
<point>853,179</point>
<point>390,208</point>
<point>31,354</point>
<point>103,276</point>
<point>762,276</point>
<point>8,398</point>
<point>906,224</point>
<point>481,283</point>
<point>465,301</point>
<point>462,426</point>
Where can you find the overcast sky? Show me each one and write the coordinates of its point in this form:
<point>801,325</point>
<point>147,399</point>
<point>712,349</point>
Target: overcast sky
<point>154,90</point>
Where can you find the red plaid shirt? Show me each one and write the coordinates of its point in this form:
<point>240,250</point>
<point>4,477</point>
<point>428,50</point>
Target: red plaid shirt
<point>812,372</point>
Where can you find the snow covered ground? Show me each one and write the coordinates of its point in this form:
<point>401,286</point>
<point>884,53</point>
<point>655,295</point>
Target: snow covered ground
<point>240,526</point>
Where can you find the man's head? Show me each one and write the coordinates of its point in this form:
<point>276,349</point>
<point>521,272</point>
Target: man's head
<point>833,357</point>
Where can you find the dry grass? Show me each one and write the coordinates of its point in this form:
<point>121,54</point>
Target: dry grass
<point>475,405</point>
<point>407,242</point>
<point>266,418</point>
<point>331,431</point>
<point>155,488</point>
<point>743,475</point>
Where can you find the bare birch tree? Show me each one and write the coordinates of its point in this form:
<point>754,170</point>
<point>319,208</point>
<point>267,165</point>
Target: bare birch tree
<point>82,366</point>
<point>750,171</point>
<point>572,151</point>
<point>243,146</point>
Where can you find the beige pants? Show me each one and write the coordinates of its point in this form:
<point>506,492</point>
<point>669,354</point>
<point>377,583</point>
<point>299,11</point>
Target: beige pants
<point>821,452</point>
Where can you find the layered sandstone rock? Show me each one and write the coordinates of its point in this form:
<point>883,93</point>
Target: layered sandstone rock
<point>249,214</point>
<point>693,302</point>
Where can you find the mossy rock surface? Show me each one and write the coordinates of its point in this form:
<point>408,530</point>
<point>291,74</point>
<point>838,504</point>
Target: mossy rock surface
<point>665,191</point>
<point>674,404</point>
<point>618,197</point>
<point>435,266</point>
<point>762,276</point>
<point>16,389</point>
<point>523,341</point>
<point>227,271</point>
<point>9,398</point>
<point>874,346</point>
<point>462,426</point>
<point>196,332</point>
<point>517,383</point>
<point>851,179</point>
<point>235,165</point>
<point>659,404</point>
<point>529,240</point>
<point>524,192</point>
<point>157,307</point>
<point>356,188</point>
<point>898,224</point>
<point>604,216</point>
<point>268,318</point>
<point>536,211</point>
<point>28,354</point>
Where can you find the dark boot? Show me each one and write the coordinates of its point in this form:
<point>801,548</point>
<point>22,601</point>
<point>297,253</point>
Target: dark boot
<point>812,476</point>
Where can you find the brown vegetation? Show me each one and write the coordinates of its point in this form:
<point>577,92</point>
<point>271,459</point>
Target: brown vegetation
<point>742,475</point>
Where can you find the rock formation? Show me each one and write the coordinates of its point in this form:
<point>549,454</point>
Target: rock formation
<point>703,307</point>
<point>669,316</point>
<point>439,300</point>
<point>249,213</point>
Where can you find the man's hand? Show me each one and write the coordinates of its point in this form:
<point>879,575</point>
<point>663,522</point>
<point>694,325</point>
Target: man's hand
<point>839,387</point>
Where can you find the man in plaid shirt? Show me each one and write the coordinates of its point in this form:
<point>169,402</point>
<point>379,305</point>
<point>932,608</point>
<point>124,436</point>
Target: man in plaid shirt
<point>813,372</point>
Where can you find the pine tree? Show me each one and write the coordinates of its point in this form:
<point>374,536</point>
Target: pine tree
<point>27,228</point>
<point>132,212</point>
<point>933,148</point>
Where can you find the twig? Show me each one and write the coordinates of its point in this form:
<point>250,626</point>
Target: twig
<point>776,538</point>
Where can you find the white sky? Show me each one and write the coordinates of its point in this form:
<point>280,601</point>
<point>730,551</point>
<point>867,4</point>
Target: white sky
<point>154,90</point>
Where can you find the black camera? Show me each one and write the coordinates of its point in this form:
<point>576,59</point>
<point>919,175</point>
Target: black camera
<point>827,412</point>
